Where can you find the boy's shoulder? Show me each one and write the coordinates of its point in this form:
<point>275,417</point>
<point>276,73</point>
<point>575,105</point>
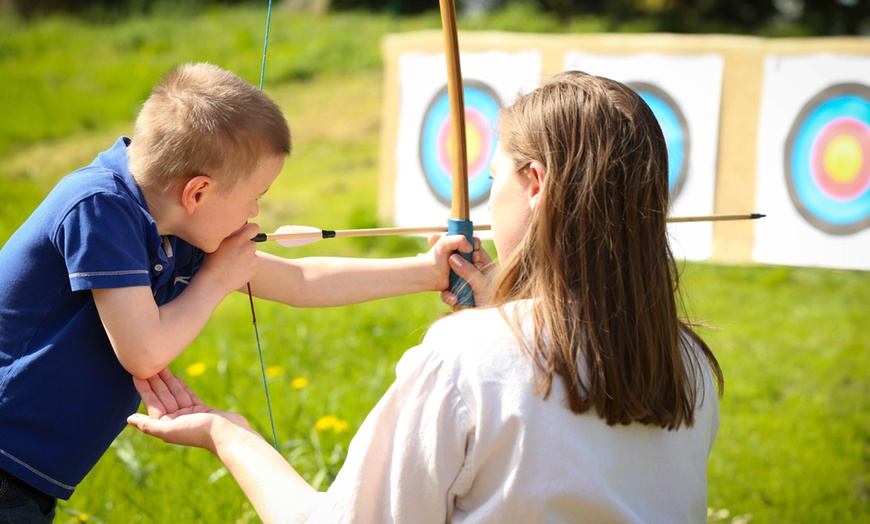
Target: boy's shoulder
<point>109,172</point>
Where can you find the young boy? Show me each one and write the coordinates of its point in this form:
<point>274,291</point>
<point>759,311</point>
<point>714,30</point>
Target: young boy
<point>119,269</point>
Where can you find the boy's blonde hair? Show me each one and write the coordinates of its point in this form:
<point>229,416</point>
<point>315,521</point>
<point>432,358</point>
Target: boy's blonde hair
<point>203,120</point>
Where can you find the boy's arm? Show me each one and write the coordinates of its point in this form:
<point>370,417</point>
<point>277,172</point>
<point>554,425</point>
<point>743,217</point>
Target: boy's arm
<point>147,337</point>
<point>330,281</point>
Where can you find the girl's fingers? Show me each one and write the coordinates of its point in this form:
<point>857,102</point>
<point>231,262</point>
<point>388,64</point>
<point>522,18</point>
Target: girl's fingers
<point>449,298</point>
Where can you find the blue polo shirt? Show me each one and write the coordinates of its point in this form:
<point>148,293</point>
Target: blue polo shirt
<point>64,396</point>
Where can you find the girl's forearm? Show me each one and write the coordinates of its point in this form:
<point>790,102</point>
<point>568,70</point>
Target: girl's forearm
<point>277,492</point>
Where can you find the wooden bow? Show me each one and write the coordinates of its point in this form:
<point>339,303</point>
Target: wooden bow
<point>459,222</point>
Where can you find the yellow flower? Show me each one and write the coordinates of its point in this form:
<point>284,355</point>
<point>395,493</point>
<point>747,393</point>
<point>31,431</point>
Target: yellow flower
<point>299,382</point>
<point>196,369</point>
<point>81,517</point>
<point>331,422</point>
<point>274,371</point>
<point>324,423</point>
<point>340,426</point>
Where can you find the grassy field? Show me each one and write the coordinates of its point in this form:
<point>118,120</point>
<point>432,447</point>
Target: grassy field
<point>794,445</point>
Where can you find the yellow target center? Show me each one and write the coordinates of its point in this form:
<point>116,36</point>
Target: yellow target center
<point>472,145</point>
<point>843,159</point>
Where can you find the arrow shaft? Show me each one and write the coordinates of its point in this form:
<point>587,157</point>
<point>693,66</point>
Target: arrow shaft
<point>715,218</point>
<point>345,233</point>
<point>427,230</point>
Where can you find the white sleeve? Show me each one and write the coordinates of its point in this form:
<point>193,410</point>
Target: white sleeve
<point>408,462</point>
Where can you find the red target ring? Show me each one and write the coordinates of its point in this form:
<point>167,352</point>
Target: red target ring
<point>481,112</point>
<point>841,168</point>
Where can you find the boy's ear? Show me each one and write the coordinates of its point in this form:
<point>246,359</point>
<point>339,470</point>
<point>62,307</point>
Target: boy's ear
<point>194,191</point>
<point>535,183</point>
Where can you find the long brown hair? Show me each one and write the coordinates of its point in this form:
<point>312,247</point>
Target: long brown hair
<point>596,258</point>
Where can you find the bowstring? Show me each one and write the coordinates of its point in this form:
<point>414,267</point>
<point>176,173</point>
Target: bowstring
<point>251,295</point>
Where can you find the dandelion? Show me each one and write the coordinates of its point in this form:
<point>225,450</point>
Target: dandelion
<point>196,369</point>
<point>324,423</point>
<point>81,517</point>
<point>274,371</point>
<point>299,382</point>
<point>331,422</point>
<point>340,426</point>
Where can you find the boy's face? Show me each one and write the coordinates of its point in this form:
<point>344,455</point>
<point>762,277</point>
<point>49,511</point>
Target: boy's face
<point>221,215</point>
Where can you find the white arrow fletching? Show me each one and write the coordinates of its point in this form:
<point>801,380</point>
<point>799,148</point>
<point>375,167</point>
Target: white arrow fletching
<point>295,236</point>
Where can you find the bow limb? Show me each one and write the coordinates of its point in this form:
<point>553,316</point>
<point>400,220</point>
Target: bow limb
<point>459,222</point>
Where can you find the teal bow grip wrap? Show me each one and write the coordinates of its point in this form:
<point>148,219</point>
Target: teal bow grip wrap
<point>458,286</point>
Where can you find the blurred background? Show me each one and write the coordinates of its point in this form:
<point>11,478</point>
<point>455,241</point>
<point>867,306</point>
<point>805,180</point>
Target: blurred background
<point>795,17</point>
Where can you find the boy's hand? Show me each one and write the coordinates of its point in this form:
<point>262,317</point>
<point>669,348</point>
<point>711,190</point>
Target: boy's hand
<point>235,261</point>
<point>442,247</point>
<point>444,259</point>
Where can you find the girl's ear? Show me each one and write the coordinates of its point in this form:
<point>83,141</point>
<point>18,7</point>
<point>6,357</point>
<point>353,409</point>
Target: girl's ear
<point>535,184</point>
<point>194,191</point>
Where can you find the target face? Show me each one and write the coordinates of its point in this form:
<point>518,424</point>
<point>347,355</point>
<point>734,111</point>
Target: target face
<point>827,160</point>
<point>675,129</point>
<point>481,111</point>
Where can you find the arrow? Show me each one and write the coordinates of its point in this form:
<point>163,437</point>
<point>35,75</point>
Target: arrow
<point>296,236</point>
<point>716,218</point>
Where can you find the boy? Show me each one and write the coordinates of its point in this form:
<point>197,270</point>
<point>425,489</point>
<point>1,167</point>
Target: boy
<point>119,269</point>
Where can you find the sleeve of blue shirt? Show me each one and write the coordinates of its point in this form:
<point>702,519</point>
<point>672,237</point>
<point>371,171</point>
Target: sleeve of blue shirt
<point>103,240</point>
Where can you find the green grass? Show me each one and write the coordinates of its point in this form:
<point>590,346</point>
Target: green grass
<point>794,444</point>
<point>795,439</point>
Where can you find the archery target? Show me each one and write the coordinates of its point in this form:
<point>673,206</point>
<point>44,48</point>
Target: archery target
<point>827,160</point>
<point>422,181</point>
<point>481,111</point>
<point>813,176</point>
<point>674,128</point>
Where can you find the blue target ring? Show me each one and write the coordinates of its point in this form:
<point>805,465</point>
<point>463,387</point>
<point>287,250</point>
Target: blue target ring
<point>481,112</point>
<point>675,130</point>
<point>827,160</point>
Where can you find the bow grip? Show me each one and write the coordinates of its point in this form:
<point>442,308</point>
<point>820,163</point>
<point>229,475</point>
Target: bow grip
<point>458,286</point>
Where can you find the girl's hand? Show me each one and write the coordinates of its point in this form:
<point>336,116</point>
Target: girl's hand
<point>177,415</point>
